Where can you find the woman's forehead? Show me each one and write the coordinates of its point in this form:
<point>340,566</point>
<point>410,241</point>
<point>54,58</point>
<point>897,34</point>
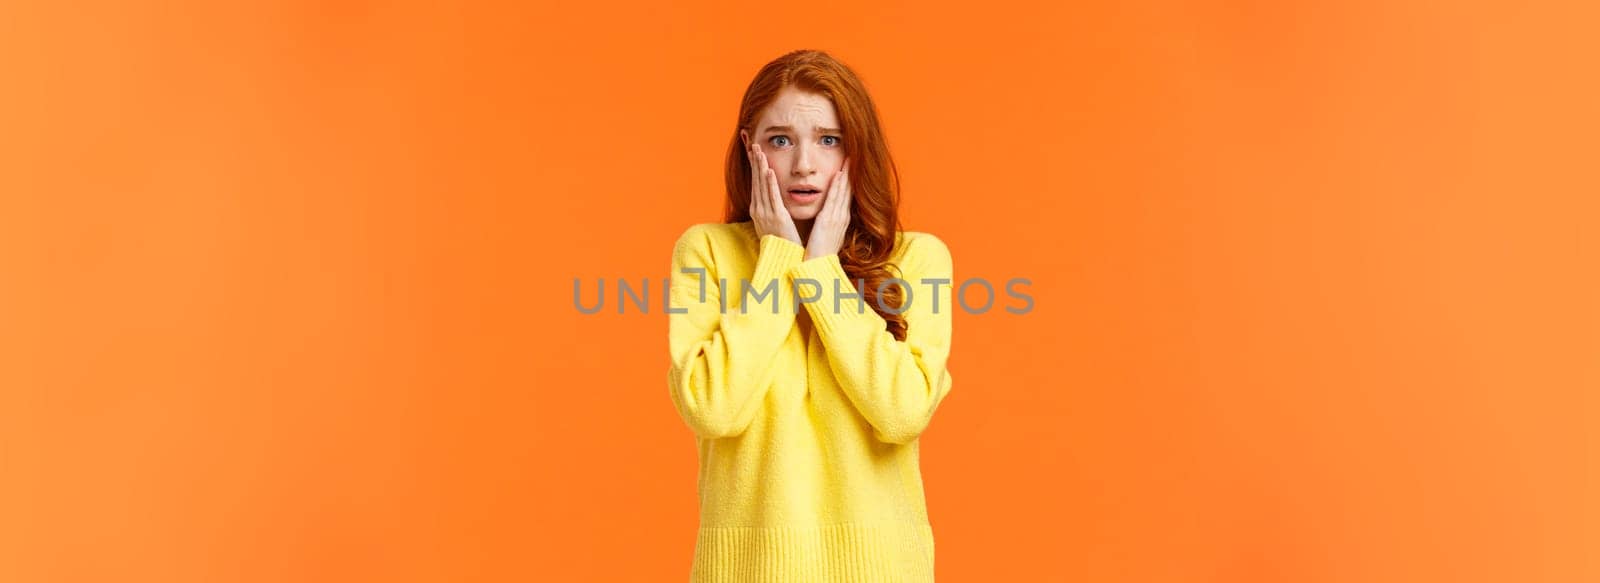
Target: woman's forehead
<point>801,111</point>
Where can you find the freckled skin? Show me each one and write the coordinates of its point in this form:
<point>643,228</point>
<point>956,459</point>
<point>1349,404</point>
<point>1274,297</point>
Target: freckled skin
<point>805,155</point>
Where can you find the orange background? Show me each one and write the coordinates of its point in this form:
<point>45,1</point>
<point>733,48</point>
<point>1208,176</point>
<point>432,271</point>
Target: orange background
<point>286,291</point>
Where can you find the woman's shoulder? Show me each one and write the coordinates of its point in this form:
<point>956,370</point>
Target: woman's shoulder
<point>710,234</point>
<point>918,237</point>
<point>921,246</point>
<point>704,242</point>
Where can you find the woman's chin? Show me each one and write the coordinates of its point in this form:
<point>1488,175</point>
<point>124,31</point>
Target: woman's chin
<point>804,212</point>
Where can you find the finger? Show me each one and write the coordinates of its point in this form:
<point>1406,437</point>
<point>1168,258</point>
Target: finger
<point>824,213</point>
<point>842,212</point>
<point>758,178</point>
<point>750,154</point>
<point>758,199</point>
<point>755,166</point>
<point>776,196</point>
<point>830,207</point>
<point>844,206</point>
<point>768,176</point>
<point>849,193</point>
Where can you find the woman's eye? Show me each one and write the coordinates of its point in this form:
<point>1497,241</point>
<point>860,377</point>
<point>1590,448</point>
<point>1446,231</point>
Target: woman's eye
<point>834,142</point>
<point>775,139</point>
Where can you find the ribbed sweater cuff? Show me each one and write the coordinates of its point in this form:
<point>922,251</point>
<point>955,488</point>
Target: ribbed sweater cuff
<point>777,256</point>
<point>841,308</point>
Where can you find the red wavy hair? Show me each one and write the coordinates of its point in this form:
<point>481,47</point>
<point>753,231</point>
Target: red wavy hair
<point>874,180</point>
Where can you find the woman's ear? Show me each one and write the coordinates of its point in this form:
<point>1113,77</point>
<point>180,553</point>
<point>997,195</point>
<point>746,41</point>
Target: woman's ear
<point>744,138</point>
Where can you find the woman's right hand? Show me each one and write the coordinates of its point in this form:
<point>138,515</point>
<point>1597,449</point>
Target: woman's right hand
<point>766,200</point>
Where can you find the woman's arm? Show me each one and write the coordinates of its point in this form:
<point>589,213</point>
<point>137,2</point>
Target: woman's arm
<point>722,363</point>
<point>895,385</point>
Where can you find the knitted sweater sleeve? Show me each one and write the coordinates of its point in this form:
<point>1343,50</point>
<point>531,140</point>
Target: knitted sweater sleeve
<point>723,358</point>
<point>896,385</point>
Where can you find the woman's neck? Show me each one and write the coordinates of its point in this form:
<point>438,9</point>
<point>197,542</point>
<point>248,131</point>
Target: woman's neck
<point>804,229</point>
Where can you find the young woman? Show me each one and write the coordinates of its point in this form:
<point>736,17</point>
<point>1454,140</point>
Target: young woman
<point>809,337</point>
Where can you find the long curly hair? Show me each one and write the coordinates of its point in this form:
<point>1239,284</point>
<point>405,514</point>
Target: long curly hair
<point>874,180</point>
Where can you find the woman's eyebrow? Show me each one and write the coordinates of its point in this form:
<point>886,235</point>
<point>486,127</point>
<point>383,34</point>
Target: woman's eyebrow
<point>790,129</point>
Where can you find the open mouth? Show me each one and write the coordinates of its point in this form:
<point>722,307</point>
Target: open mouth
<point>804,192</point>
<point>805,195</point>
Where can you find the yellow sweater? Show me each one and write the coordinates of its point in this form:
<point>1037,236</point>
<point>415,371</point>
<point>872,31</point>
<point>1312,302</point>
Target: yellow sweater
<point>806,419</point>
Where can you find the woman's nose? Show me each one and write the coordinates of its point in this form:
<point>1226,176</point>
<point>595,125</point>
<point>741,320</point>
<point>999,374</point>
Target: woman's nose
<point>804,165</point>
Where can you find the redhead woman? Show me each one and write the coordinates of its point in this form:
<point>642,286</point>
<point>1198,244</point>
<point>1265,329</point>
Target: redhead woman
<point>808,336</point>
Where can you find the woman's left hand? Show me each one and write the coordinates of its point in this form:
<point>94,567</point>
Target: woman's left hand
<point>827,232</point>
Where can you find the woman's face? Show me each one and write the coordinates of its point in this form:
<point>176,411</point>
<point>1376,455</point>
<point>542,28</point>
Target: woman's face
<point>800,134</point>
